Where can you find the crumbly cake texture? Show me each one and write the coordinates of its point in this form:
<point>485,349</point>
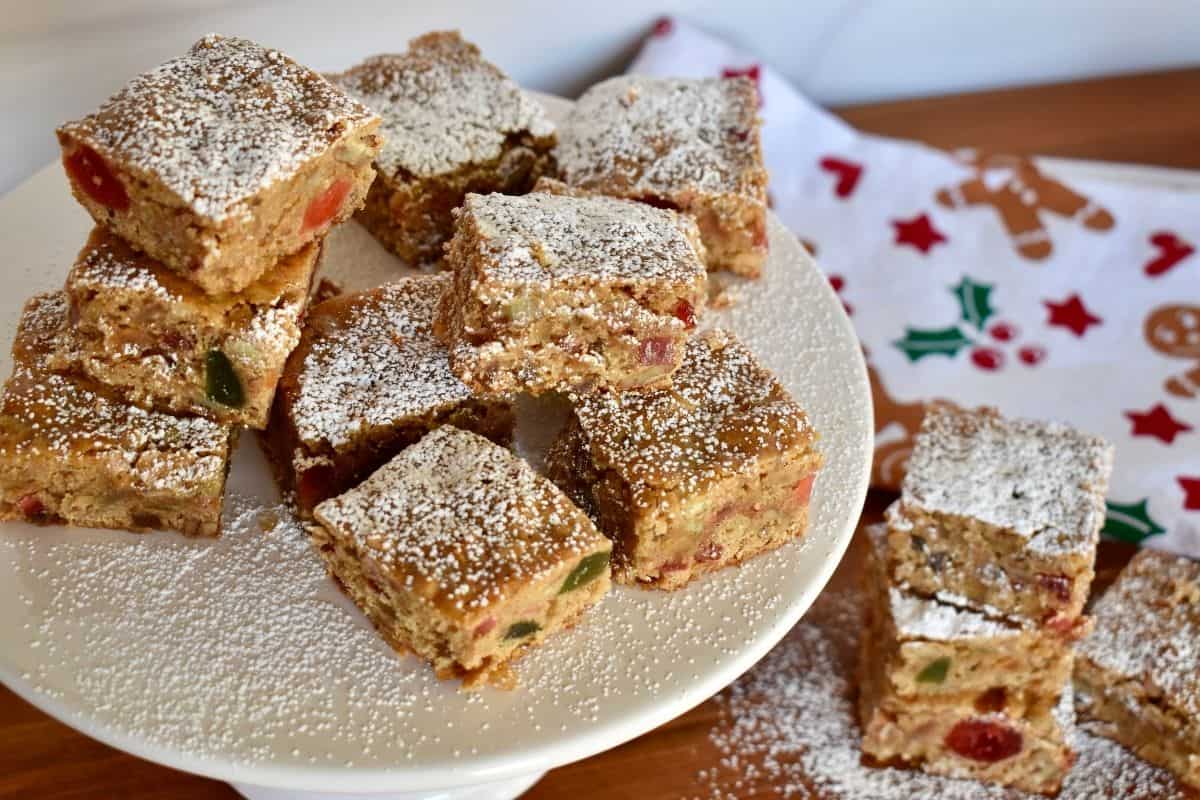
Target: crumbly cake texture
<point>70,455</point>
<point>453,124</point>
<point>1138,673</point>
<point>935,652</point>
<point>368,379</point>
<point>1002,513</point>
<point>695,478</point>
<point>555,292</point>
<point>458,551</point>
<point>223,161</point>
<point>961,740</point>
<point>160,342</point>
<point>688,144</point>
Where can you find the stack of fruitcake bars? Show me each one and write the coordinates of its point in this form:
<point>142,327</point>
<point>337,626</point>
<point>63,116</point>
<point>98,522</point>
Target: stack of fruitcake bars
<point>213,180</point>
<point>976,588</point>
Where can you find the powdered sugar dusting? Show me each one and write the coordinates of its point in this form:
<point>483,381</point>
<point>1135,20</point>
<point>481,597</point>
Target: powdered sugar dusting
<point>442,106</point>
<point>460,521</point>
<point>790,730</point>
<point>543,237</point>
<point>661,439</point>
<point>1148,629</point>
<point>220,124</point>
<point>352,348</point>
<point>657,136</point>
<point>1044,481</point>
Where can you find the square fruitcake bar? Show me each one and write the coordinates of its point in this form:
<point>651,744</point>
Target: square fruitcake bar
<point>1002,514</point>
<point>458,551</point>
<point>687,144</point>
<point>929,651</point>
<point>159,341</point>
<point>556,292</point>
<point>223,161</point>
<point>71,455</point>
<point>687,480</point>
<point>1137,676</point>
<point>453,124</point>
<point>368,379</point>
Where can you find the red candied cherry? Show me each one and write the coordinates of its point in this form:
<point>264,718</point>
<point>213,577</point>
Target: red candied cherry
<point>685,312</point>
<point>673,566</point>
<point>657,350</point>
<point>89,172</point>
<point>325,206</point>
<point>983,740</point>
<point>1003,331</point>
<point>803,489</point>
<point>987,358</point>
<point>1031,354</point>
<point>484,628</point>
<point>31,506</point>
<point>709,551</point>
<point>1057,585</point>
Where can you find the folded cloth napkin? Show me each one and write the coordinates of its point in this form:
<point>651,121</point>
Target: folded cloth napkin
<point>984,280</point>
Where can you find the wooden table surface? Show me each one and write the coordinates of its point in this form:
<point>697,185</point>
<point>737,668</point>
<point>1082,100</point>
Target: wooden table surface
<point>1139,119</point>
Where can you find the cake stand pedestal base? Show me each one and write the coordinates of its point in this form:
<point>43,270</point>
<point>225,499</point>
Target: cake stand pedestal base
<point>507,789</point>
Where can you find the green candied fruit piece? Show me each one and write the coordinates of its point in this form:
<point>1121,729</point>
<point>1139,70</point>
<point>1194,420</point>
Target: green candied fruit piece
<point>221,380</point>
<point>587,570</point>
<point>519,630</point>
<point>935,671</point>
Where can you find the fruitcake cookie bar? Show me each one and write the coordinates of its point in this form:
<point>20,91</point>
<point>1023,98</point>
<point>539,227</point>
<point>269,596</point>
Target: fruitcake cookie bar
<point>929,651</point>
<point>453,124</point>
<point>223,161</point>
<point>71,455</point>
<point>458,551</point>
<point>159,341</point>
<point>1138,675</point>
<point>368,379</point>
<point>555,292</point>
<point>1002,514</point>
<point>687,144</point>
<point>695,478</point>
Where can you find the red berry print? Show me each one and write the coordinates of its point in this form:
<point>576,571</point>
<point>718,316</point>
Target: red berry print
<point>987,358</point>
<point>837,282</point>
<point>687,314</point>
<point>663,27</point>
<point>1003,331</point>
<point>1032,354</point>
<point>326,205</point>
<point>93,177</point>
<point>983,740</point>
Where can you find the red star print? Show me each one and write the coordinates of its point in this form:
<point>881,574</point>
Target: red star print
<point>918,232</point>
<point>1071,314</point>
<point>1191,492</point>
<point>1157,422</point>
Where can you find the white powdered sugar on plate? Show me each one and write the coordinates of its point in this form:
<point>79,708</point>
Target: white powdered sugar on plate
<point>789,729</point>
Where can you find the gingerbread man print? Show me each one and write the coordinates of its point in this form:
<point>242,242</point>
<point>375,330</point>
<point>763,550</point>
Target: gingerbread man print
<point>1174,331</point>
<point>1020,193</point>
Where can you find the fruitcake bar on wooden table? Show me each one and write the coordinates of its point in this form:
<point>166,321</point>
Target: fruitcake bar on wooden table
<point>458,551</point>
<point>159,341</point>
<point>453,124</point>
<point>1002,515</point>
<point>1138,673</point>
<point>69,454</point>
<point>686,480</point>
<point>223,161</point>
<point>686,144</point>
<point>368,379</point>
<point>555,292</point>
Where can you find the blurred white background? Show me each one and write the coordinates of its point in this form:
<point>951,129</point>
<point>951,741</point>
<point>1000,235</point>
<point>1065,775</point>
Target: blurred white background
<point>59,59</point>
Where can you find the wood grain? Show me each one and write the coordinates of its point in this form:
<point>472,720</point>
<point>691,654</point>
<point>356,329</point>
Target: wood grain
<point>1140,119</point>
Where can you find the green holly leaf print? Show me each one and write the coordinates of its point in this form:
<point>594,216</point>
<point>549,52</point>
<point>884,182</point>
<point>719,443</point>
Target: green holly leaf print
<point>917,344</point>
<point>974,300</point>
<point>1130,522</point>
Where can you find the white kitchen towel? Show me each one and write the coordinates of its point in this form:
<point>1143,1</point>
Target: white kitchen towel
<point>982,279</point>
